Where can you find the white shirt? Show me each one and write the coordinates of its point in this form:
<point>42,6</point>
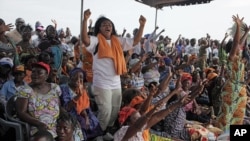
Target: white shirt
<point>104,74</point>
<point>118,136</point>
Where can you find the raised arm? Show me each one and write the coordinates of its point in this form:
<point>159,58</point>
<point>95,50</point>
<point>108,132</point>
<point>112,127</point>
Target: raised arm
<point>146,104</point>
<point>223,41</point>
<point>244,37</point>
<point>123,32</point>
<point>176,42</point>
<point>236,41</point>
<point>139,124</point>
<point>85,37</point>
<point>164,84</point>
<point>137,39</point>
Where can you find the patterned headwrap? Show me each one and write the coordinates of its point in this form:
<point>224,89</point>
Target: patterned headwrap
<point>124,113</point>
<point>75,70</point>
<point>135,101</point>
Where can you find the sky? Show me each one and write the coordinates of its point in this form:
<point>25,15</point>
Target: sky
<point>192,21</point>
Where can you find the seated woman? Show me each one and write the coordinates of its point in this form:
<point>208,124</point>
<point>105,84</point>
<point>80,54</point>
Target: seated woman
<point>175,122</point>
<point>75,100</point>
<point>192,109</point>
<point>38,103</point>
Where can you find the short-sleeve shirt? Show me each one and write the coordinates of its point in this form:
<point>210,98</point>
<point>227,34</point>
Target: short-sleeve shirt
<point>104,74</point>
<point>44,107</point>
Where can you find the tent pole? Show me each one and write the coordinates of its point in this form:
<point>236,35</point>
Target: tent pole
<point>156,13</point>
<point>80,48</point>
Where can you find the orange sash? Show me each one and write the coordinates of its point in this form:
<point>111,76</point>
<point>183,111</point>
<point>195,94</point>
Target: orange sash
<point>115,52</point>
<point>82,103</point>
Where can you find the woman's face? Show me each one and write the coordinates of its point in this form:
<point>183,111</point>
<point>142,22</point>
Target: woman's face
<point>106,29</point>
<point>76,78</point>
<point>39,75</point>
<point>64,131</point>
<point>186,84</point>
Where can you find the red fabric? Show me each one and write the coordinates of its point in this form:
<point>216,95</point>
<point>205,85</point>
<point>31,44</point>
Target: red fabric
<point>124,113</point>
<point>186,76</point>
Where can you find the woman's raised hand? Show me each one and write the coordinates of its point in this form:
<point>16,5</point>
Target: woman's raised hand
<point>237,19</point>
<point>8,27</point>
<point>86,14</point>
<point>79,87</point>
<point>142,20</point>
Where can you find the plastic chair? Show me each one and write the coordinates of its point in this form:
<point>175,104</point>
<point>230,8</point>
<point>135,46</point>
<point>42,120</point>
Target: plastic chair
<point>10,111</point>
<point>5,125</point>
<point>16,126</point>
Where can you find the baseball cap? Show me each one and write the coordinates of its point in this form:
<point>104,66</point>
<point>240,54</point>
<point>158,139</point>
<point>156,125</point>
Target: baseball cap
<point>40,28</point>
<point>39,25</point>
<point>6,61</point>
<point>43,65</point>
<point>19,68</point>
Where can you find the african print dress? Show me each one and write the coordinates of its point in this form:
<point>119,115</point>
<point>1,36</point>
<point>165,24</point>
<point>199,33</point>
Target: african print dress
<point>43,107</point>
<point>233,96</point>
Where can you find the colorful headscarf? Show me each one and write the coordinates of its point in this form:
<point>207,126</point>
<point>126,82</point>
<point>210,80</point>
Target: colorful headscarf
<point>186,76</point>
<point>75,70</point>
<point>124,113</point>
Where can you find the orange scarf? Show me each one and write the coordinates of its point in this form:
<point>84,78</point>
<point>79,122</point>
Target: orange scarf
<point>82,103</point>
<point>115,52</point>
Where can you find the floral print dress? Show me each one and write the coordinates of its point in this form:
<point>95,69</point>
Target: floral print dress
<point>234,97</point>
<point>44,107</point>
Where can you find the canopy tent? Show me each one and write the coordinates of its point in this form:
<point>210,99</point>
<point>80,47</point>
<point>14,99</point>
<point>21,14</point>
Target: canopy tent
<point>163,3</point>
<point>158,4</point>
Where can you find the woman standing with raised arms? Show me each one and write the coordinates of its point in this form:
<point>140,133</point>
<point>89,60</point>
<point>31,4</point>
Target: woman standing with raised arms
<point>234,96</point>
<point>108,64</point>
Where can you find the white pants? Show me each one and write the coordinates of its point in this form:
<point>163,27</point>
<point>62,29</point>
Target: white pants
<point>109,103</point>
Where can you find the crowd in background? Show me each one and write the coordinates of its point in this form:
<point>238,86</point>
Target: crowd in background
<point>122,87</point>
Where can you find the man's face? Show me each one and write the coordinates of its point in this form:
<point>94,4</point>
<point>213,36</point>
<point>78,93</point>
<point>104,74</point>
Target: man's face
<point>19,23</point>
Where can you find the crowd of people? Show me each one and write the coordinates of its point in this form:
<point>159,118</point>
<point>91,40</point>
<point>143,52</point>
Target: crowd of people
<point>103,85</point>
